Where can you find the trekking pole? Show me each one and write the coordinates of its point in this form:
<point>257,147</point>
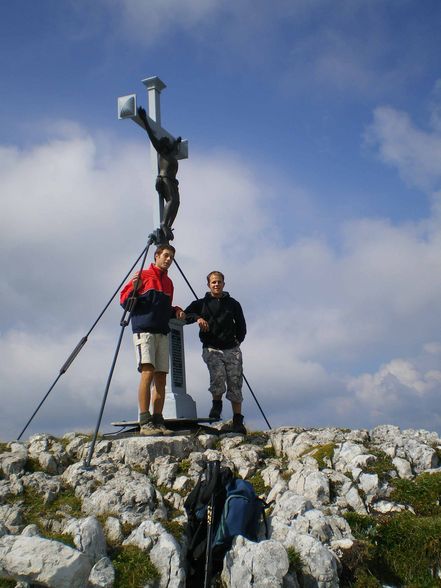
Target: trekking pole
<point>210,515</point>
<point>212,477</point>
<point>80,345</point>
<point>257,402</point>
<point>131,303</point>
<point>246,381</point>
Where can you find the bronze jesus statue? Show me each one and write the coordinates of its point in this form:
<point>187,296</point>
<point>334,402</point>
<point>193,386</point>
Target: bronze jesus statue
<point>166,182</point>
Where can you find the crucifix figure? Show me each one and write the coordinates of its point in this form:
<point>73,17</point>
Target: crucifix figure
<point>166,182</point>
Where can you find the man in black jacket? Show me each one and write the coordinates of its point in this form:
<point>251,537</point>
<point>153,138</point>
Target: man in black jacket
<point>222,330</point>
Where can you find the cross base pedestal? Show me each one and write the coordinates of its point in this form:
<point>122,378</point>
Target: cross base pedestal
<point>178,406</point>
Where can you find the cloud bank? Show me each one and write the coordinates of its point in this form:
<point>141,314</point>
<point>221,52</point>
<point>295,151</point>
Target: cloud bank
<point>344,334</point>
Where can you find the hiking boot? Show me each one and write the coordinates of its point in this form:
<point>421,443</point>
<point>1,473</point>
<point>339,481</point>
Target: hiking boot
<point>236,426</point>
<point>147,426</point>
<point>144,418</point>
<point>151,429</point>
<point>159,423</point>
<point>216,410</point>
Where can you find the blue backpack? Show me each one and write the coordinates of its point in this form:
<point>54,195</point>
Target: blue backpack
<point>241,515</point>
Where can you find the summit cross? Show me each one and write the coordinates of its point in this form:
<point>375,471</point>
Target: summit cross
<point>154,87</point>
<point>178,404</point>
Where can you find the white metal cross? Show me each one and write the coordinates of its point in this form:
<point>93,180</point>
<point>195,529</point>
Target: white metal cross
<point>127,109</point>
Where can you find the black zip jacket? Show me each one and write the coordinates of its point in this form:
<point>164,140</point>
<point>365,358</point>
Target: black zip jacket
<point>227,327</point>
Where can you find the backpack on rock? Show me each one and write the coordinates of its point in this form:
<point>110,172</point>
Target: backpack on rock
<point>219,508</point>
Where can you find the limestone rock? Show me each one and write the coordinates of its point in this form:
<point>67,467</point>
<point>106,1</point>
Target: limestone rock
<point>312,484</point>
<point>11,516</point>
<point>139,451</point>
<point>14,461</point>
<point>404,468</point>
<point>130,497</point>
<point>260,565</point>
<point>113,530</point>
<point>164,551</point>
<point>40,561</point>
<point>102,574</point>
<point>320,569</point>
<point>88,537</point>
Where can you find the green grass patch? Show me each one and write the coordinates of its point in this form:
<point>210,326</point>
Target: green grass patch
<point>139,470</point>
<point>356,563</point>
<point>363,527</point>
<point>32,465</point>
<point>295,562</point>
<point>422,494</point>
<point>402,550</point>
<point>183,467</point>
<point>269,452</point>
<point>382,466</point>
<point>133,567</point>
<point>174,528</point>
<point>255,438</point>
<point>5,583</point>
<point>410,547</point>
<point>34,508</point>
<point>364,579</point>
<point>323,455</point>
<point>286,475</point>
<point>259,484</point>
<point>66,539</point>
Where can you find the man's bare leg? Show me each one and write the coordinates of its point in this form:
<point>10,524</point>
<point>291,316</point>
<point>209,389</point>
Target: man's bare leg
<point>147,373</point>
<point>237,407</point>
<point>159,392</point>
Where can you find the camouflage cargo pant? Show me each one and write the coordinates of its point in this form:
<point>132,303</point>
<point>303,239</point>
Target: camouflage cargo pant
<point>225,368</point>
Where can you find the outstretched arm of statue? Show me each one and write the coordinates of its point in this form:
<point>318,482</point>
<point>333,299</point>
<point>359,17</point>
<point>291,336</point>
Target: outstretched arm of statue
<point>143,116</point>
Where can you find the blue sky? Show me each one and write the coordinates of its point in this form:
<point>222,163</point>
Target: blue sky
<point>313,182</point>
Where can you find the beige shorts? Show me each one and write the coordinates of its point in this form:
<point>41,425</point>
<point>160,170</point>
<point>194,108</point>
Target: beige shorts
<point>152,348</point>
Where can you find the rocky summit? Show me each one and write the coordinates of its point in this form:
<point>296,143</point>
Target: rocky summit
<point>348,508</point>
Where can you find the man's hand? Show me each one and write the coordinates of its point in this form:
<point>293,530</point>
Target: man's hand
<point>137,282</point>
<point>180,315</point>
<point>203,325</point>
<point>142,113</point>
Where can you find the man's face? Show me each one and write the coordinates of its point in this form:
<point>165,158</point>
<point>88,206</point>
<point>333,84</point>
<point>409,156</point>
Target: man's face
<point>216,285</point>
<point>164,259</point>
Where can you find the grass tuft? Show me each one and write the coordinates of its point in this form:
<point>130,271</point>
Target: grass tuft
<point>295,562</point>
<point>4,447</point>
<point>259,484</point>
<point>422,494</point>
<point>382,466</point>
<point>400,549</point>
<point>133,567</point>
<point>174,528</point>
<point>323,455</point>
<point>35,510</point>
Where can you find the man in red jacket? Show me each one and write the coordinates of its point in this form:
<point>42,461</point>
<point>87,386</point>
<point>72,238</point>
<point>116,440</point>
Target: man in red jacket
<point>150,317</point>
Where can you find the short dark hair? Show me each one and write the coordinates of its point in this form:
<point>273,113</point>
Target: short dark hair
<point>215,272</point>
<point>161,248</point>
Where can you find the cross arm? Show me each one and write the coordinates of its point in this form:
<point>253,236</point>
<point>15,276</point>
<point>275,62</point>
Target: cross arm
<point>160,132</point>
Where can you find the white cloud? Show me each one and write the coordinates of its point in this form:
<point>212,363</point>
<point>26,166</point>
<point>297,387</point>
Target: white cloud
<point>401,392</point>
<point>414,152</point>
<point>150,22</point>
